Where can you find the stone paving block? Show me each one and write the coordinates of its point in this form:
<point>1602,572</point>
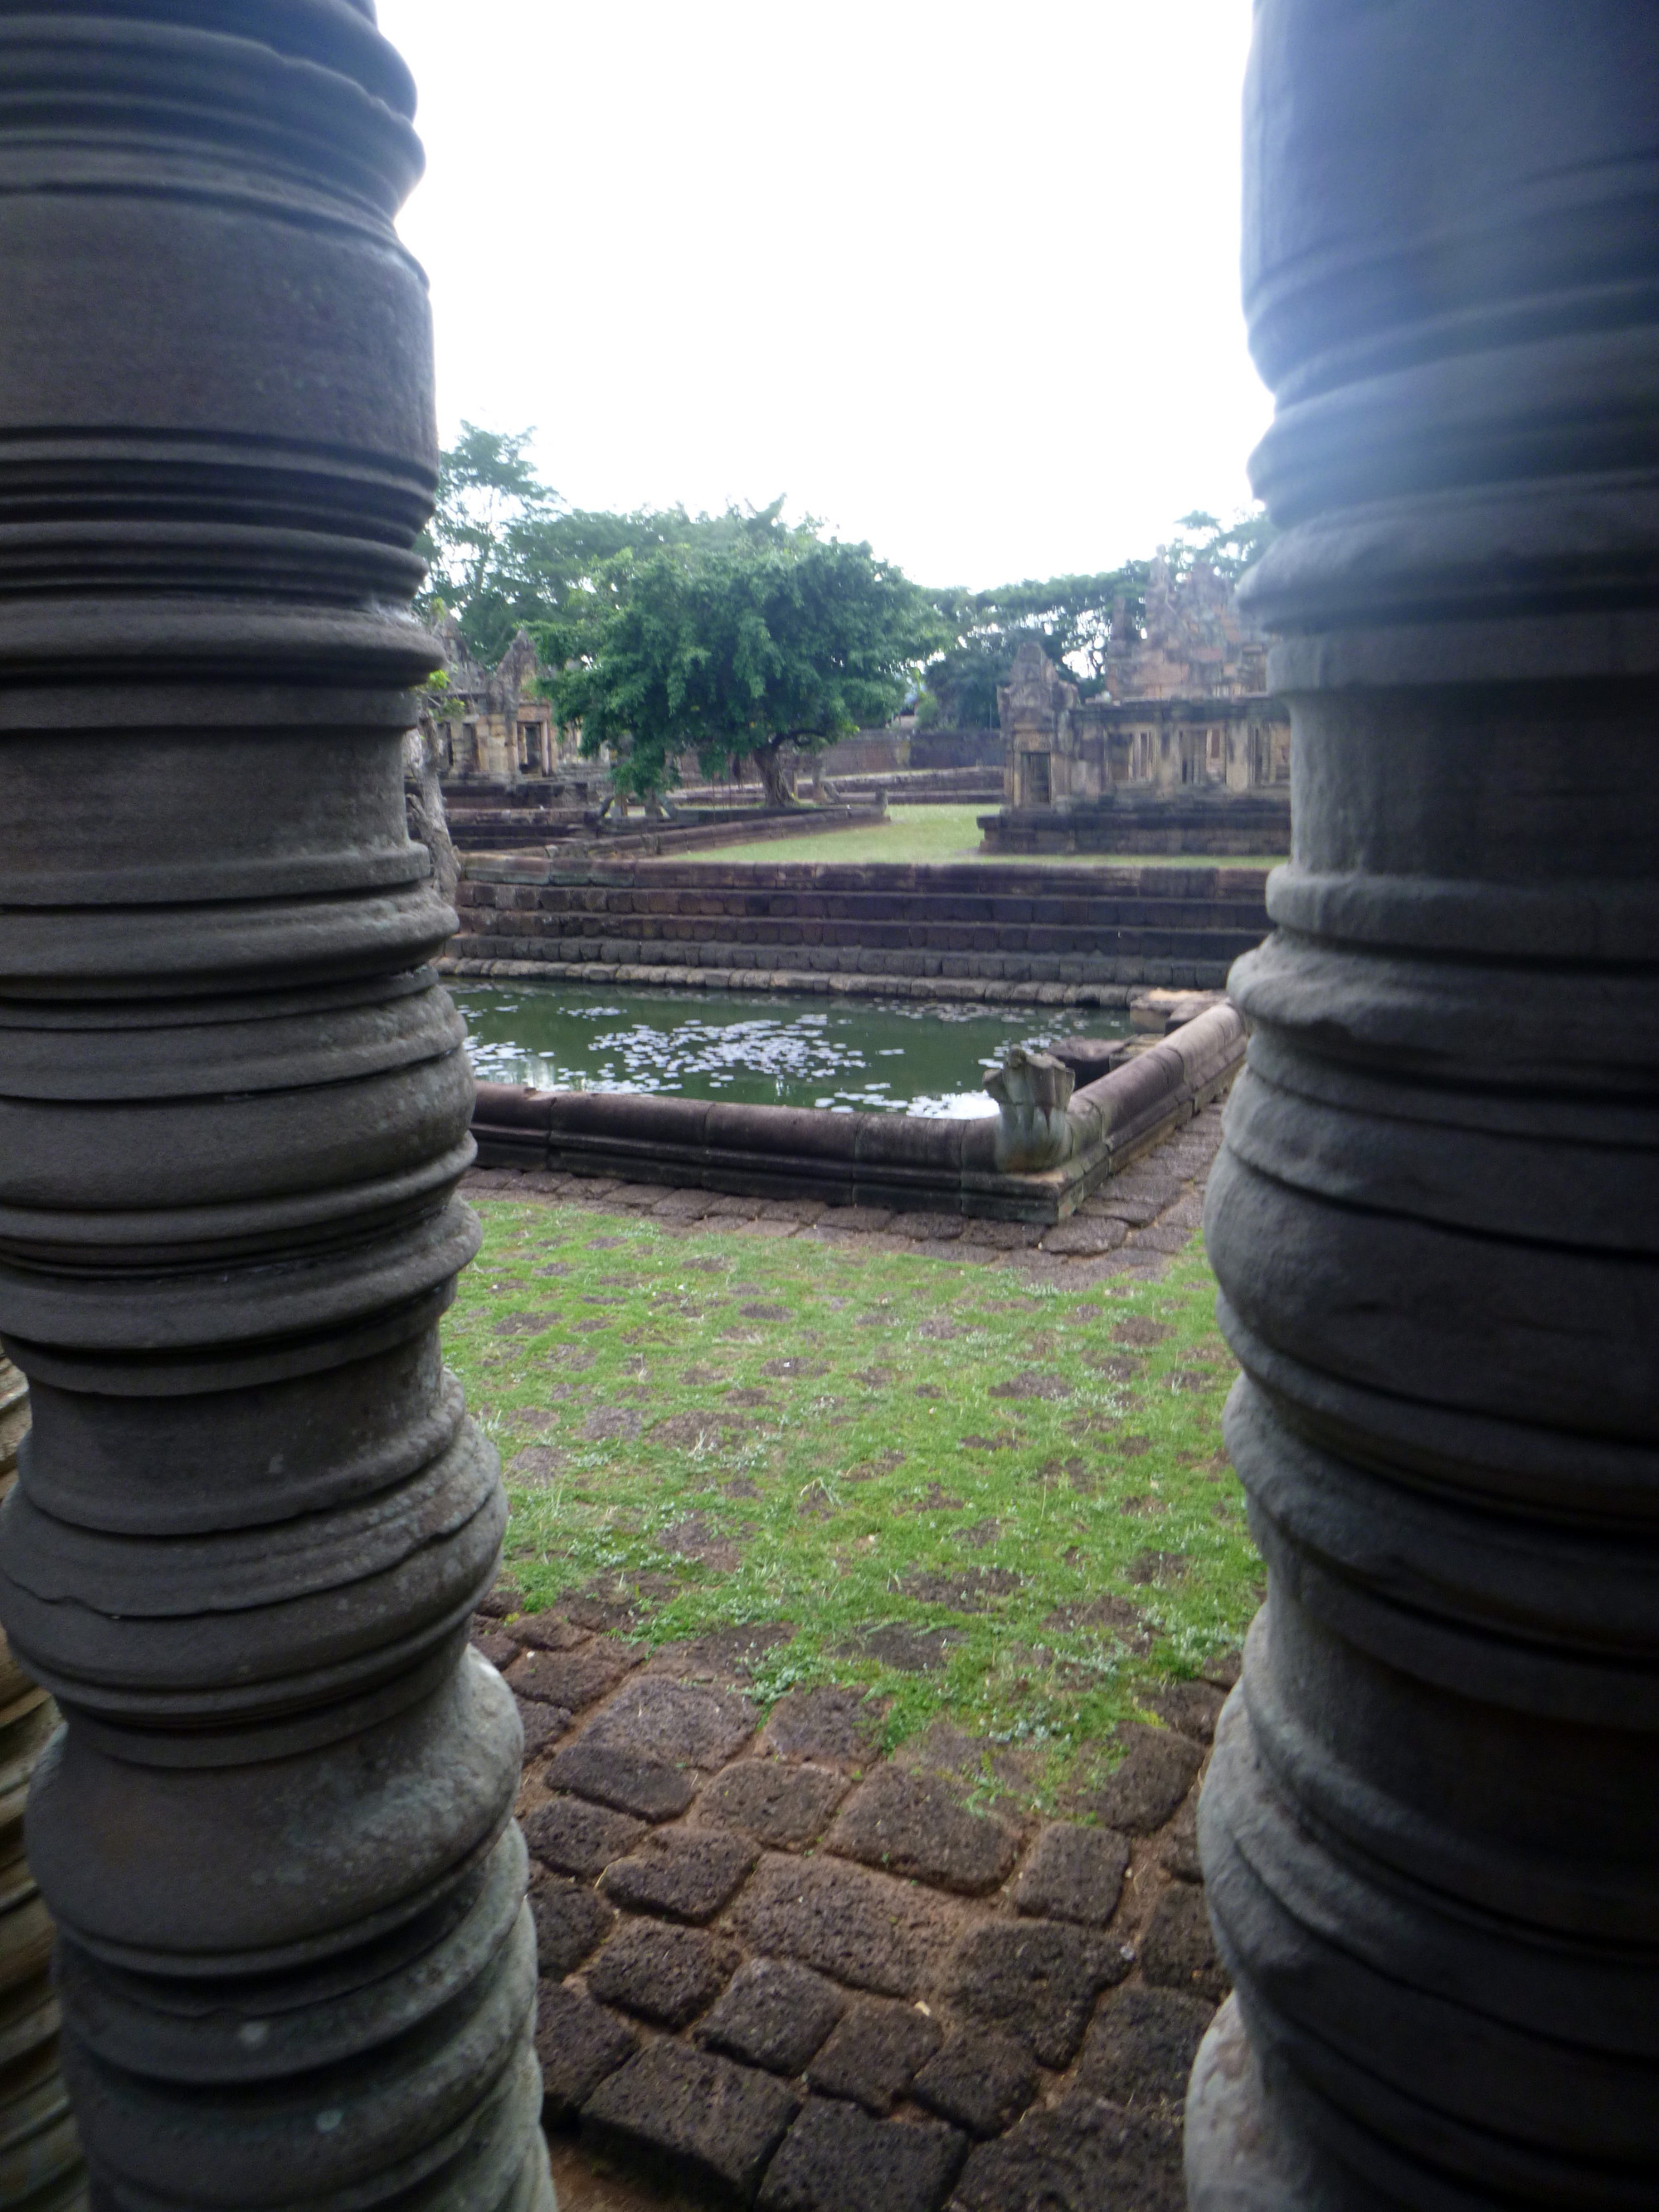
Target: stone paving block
<point>873,2055</point>
<point>1074,1873</point>
<point>834,1724</point>
<point>865,1928</point>
<point>692,2119</point>
<point>1086,1237</point>
<point>1193,1707</point>
<point>495,1644</point>
<point>542,1725</point>
<point>571,1920</point>
<point>686,1874</point>
<point>910,1824</point>
<point>1178,1854</point>
<point>547,1632</point>
<point>577,2043</point>
<point>1141,2044</point>
<point>1149,1786</point>
<point>778,1803</point>
<point>982,2081</point>
<point>1082,2154</point>
<point>774,2014</point>
<point>725,1655</point>
<point>649,1788</point>
<point>930,1228</point>
<point>1113,1205</point>
<point>907,1647</point>
<point>1037,1979</point>
<point>1161,1238</point>
<point>573,1837</point>
<point>575,1678</point>
<point>1177,1950</point>
<point>1003,1236</point>
<point>666,1974</point>
<point>674,1723</point>
<point>836,2159</point>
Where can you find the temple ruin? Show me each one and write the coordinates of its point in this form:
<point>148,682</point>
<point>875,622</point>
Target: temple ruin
<point>1184,716</point>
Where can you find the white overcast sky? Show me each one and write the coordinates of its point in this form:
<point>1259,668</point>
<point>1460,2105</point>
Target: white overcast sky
<point>959,279</point>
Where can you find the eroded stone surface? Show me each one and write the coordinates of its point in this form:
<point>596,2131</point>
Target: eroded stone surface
<point>836,2159</point>
<point>547,1632</point>
<point>981,2080</point>
<point>687,1873</point>
<point>1079,2155</point>
<point>570,1920</point>
<point>665,1974</point>
<point>1074,1873</point>
<point>1177,1950</point>
<point>574,1678</point>
<point>542,1725</point>
<point>1179,1853</point>
<point>779,1803</point>
<point>577,2043</point>
<point>912,1824</point>
<point>692,2118</point>
<point>866,1929</point>
<point>836,1724</point>
<point>776,2015</point>
<point>875,2053</point>
<point>1141,2044</point>
<point>573,1837</point>
<point>1036,1979</point>
<point>1152,1782</point>
<point>674,1723</point>
<point>649,1789</point>
<point>1193,1707</point>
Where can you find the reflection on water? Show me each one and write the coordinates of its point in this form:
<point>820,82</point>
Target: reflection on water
<point>878,1055</point>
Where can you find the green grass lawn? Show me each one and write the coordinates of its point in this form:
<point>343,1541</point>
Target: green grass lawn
<point>941,834</point>
<point>989,1499</point>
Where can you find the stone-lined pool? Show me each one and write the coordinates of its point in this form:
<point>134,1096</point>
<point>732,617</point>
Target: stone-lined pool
<point>870,1055</point>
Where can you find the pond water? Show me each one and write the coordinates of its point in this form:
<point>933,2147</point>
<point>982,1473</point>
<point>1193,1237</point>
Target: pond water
<point>894,1056</point>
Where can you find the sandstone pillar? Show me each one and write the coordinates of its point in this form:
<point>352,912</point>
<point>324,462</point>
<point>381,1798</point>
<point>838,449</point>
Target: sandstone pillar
<point>251,1520</point>
<point>1431,1833</point>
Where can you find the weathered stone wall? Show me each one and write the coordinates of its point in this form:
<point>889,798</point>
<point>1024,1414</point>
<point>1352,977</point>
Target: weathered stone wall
<point>976,923</point>
<point>1199,824</point>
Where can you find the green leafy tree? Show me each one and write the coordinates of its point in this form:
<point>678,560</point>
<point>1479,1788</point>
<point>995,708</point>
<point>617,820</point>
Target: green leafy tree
<point>1075,617</point>
<point>751,643</point>
<point>1229,548</point>
<point>491,506</point>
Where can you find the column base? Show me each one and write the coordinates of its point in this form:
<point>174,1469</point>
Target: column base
<point>1237,2160</point>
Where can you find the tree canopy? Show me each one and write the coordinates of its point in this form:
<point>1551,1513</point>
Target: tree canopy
<point>749,640</point>
<point>1074,617</point>
<point>736,636</point>
<point>505,553</point>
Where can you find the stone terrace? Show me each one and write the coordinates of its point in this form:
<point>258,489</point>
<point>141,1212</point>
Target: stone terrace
<point>776,1969</point>
<point>983,924</point>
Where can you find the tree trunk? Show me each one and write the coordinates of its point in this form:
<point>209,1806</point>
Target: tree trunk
<point>775,776</point>
<point>428,821</point>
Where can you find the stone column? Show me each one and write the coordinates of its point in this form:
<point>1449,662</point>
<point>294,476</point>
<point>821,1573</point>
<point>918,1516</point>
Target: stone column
<point>40,2164</point>
<point>1430,1836</point>
<point>252,1519</point>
